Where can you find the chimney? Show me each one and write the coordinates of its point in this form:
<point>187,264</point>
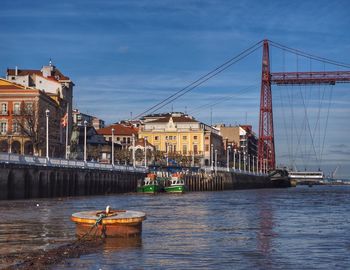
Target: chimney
<point>16,71</point>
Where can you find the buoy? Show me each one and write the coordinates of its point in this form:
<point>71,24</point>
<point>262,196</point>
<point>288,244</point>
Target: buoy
<point>108,223</point>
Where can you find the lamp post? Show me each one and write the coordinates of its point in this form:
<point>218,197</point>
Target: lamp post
<point>228,158</point>
<point>67,129</point>
<point>112,161</point>
<point>253,164</point>
<point>167,154</point>
<point>239,160</point>
<point>145,152</point>
<point>133,150</point>
<point>248,162</point>
<point>216,160</point>
<point>244,161</point>
<point>47,133</point>
<point>234,159</point>
<point>192,163</point>
<point>9,149</point>
<point>212,156</point>
<point>257,165</point>
<point>85,125</point>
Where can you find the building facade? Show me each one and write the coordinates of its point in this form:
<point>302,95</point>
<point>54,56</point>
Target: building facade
<point>123,134</point>
<point>241,138</point>
<point>53,83</point>
<point>23,121</point>
<point>181,134</point>
<point>79,118</point>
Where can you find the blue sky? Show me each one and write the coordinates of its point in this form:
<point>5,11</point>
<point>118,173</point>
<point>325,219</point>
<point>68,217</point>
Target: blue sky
<point>125,56</point>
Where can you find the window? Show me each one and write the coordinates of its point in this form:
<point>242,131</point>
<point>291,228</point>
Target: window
<point>184,137</point>
<point>13,78</point>
<point>118,139</point>
<point>156,138</point>
<point>128,139</point>
<point>16,108</point>
<point>195,149</point>
<point>170,137</point>
<point>207,147</point>
<point>29,107</point>
<point>195,137</point>
<point>3,127</point>
<point>174,137</point>
<point>166,137</point>
<point>184,149</point>
<point>15,127</point>
<point>3,108</point>
<point>124,140</point>
<point>207,137</point>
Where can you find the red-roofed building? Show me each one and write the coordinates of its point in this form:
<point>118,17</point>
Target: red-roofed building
<point>50,80</point>
<point>122,134</point>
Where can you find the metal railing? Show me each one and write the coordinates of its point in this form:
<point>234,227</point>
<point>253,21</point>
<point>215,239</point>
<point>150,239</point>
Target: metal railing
<point>59,162</point>
<point>209,169</point>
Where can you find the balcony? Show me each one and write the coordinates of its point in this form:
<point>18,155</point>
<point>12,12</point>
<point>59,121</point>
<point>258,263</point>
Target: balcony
<point>4,113</point>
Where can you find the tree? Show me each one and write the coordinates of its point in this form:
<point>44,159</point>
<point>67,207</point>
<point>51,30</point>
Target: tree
<point>31,121</point>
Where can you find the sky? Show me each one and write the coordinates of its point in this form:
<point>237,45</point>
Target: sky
<point>124,56</point>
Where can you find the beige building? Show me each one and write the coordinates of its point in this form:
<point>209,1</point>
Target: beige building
<point>239,137</point>
<point>182,134</point>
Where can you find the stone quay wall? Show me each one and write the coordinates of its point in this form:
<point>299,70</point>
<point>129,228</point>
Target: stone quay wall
<point>28,181</point>
<point>230,181</point>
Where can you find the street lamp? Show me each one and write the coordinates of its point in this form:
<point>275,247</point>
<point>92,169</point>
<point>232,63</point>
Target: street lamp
<point>244,161</point>
<point>216,160</point>
<point>112,147</point>
<point>239,160</point>
<point>248,162</point>
<point>211,156</point>
<point>9,149</point>
<point>253,164</point>
<point>234,159</point>
<point>192,155</point>
<point>145,152</point>
<point>167,154</point>
<point>133,150</point>
<point>228,158</point>
<point>47,112</point>
<point>85,125</point>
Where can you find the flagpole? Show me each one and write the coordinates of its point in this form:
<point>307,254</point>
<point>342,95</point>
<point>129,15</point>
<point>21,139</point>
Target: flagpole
<point>67,128</point>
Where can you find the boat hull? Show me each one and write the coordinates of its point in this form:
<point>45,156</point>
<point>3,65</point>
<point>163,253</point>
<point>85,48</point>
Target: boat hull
<point>175,189</point>
<point>149,189</point>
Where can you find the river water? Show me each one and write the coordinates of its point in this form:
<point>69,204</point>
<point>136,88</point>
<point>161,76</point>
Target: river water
<point>291,228</point>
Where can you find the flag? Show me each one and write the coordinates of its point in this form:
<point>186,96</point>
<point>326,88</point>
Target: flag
<point>64,120</point>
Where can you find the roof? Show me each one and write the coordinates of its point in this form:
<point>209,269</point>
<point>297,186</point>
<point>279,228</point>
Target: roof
<point>141,142</point>
<point>119,129</point>
<point>5,84</point>
<point>12,89</point>
<point>56,73</point>
<point>176,119</point>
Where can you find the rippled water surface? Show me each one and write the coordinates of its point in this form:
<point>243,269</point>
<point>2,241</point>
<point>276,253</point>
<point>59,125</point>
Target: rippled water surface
<point>250,229</point>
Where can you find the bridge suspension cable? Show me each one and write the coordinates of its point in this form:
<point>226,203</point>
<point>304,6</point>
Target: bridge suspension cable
<point>222,99</point>
<point>202,79</point>
<point>308,55</point>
